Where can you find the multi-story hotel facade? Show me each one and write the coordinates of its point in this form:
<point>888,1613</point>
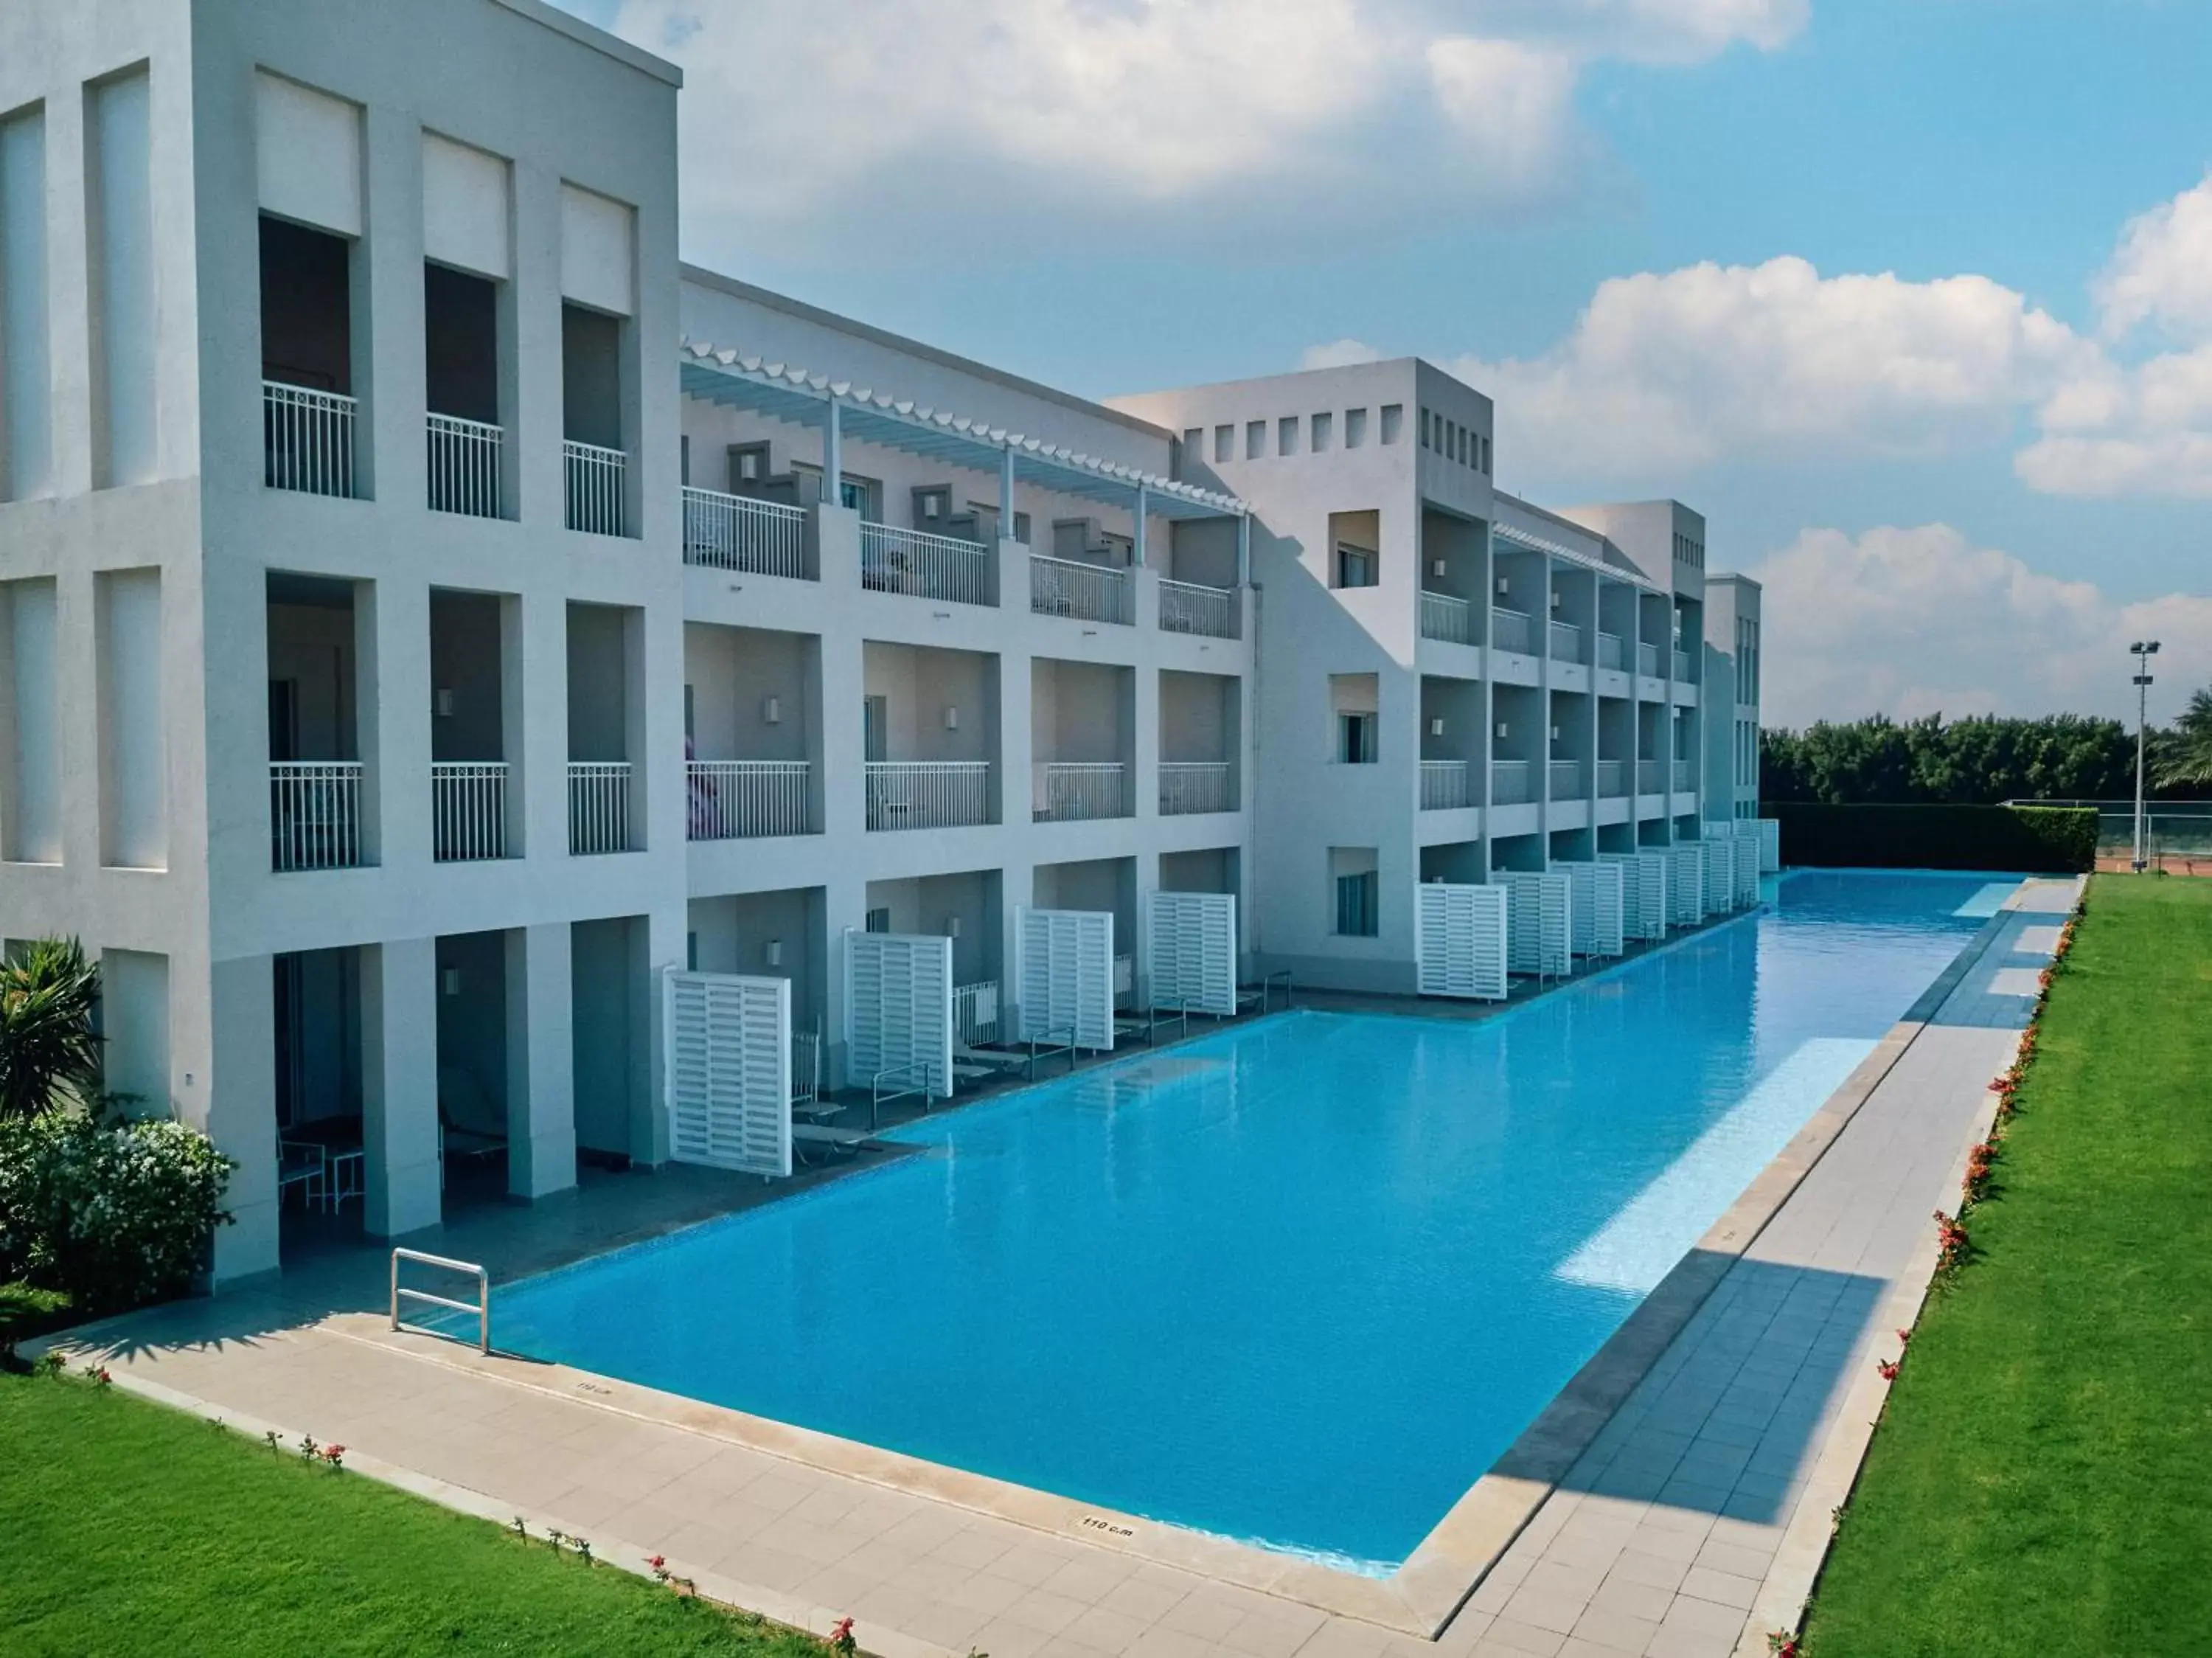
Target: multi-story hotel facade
<point>426,616</point>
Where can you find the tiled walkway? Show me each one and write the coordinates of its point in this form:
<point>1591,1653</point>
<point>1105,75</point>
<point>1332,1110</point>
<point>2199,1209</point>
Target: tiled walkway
<point>1674,1535</point>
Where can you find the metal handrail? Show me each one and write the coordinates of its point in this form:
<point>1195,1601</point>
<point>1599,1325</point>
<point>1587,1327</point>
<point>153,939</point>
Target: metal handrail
<point>480,1307</point>
<point>1045,1044</point>
<point>913,1072</point>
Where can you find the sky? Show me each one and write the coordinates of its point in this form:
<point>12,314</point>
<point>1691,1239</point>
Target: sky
<point>1912,299</point>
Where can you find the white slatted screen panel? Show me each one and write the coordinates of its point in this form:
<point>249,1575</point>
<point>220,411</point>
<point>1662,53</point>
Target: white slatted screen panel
<point>1720,875</point>
<point>1770,845</point>
<point>1642,893</point>
<point>1460,939</point>
<point>898,1006</point>
<point>1192,939</point>
<point>1064,965</point>
<point>1746,868</point>
<point>1600,908</point>
<point>728,1074</point>
<point>1686,884</point>
<point>1541,922</point>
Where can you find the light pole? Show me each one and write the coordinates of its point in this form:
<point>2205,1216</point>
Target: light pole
<point>2142,650</point>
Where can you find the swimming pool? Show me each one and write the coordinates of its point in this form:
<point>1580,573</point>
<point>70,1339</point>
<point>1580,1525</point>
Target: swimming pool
<point>1298,1283</point>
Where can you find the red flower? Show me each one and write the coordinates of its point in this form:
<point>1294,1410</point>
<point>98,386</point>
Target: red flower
<point>1904,1336</point>
<point>1889,1369</point>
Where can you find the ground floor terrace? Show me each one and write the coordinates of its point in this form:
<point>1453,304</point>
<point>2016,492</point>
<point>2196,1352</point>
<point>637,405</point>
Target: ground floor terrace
<point>1673,1497</point>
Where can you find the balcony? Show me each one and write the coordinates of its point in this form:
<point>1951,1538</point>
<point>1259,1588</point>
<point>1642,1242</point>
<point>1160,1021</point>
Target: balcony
<point>1445,617</point>
<point>737,533</point>
<point>306,439</point>
<point>744,800</point>
<point>1647,661</point>
<point>1446,785</point>
<point>598,482</point>
<point>1613,653</point>
<point>468,810</point>
<point>598,806</point>
<point>1682,667</point>
<point>1647,777</point>
<point>1566,779</point>
<point>1076,791</point>
<point>927,794</point>
<point>1509,630</point>
<point>1085,593</point>
<point>924,566</point>
<point>1685,783</point>
<point>315,815</point>
<point>1193,786</point>
<point>1509,783</point>
<point>1566,643</point>
<point>466,462</point>
<point>1612,780</point>
<point>1187,607</point>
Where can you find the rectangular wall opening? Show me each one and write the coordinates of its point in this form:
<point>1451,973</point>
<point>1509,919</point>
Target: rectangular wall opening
<point>310,414</point>
<point>320,816</point>
<point>462,383</point>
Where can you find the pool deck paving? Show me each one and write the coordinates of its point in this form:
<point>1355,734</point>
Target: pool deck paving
<point>1676,1504</point>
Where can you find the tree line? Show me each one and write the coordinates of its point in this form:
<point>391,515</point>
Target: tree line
<point>1981,761</point>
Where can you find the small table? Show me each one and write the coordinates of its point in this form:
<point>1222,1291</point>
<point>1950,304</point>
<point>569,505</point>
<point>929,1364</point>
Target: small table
<point>344,1177</point>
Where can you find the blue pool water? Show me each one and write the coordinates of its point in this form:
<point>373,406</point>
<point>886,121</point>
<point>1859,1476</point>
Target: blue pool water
<point>1300,1284</point>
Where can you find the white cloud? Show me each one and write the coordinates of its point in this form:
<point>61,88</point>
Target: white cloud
<point>1338,354</point>
<point>1919,620</point>
<point>1663,372</point>
<point>2161,271</point>
<point>943,122</point>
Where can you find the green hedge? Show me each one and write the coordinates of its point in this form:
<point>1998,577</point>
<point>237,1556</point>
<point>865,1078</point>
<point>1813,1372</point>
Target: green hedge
<point>2034,839</point>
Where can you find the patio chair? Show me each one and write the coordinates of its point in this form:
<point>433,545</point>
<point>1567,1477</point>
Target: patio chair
<point>300,1163</point>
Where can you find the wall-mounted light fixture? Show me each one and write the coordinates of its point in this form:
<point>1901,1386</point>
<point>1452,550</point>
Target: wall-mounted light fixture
<point>1437,567</point>
<point>1555,602</point>
<point>451,978</point>
<point>1501,729</point>
<point>1437,728</point>
<point>1503,587</point>
<point>441,702</point>
<point>1555,734</point>
<point>951,717</point>
<point>772,953</point>
<point>952,926</point>
<point>772,710</point>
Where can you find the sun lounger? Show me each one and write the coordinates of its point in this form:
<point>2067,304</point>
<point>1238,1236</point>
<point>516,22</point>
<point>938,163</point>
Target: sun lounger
<point>811,1142</point>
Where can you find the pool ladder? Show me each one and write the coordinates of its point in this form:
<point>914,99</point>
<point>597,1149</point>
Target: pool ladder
<point>480,1305</point>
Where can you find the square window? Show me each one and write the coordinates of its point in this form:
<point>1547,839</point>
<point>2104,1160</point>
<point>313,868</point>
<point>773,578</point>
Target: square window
<point>1286,435</point>
<point>1355,429</point>
<point>1394,418</point>
<point>1485,467</point>
<point>1424,430</point>
<point>1255,439</point>
<point>1357,905</point>
<point>1355,566</point>
<point>1321,427</point>
<point>1194,442</point>
<point>1224,442</point>
<point>1355,739</point>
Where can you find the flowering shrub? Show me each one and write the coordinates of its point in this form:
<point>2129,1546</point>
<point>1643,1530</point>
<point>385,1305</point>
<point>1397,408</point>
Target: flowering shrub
<point>1888,1368</point>
<point>27,1312</point>
<point>116,1214</point>
<point>1952,1242</point>
<point>840,1640</point>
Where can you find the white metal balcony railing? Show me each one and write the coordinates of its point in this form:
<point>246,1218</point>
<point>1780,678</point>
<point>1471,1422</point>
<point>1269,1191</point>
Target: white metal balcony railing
<point>1509,783</point>
<point>975,1012</point>
<point>1647,777</point>
<point>466,458</point>
<point>1612,652</point>
<point>468,810</point>
<point>598,484</point>
<point>1072,791</point>
<point>1683,781</point>
<point>1682,667</point>
<point>1193,786</point>
<point>1087,592</point>
<point>315,815</point>
<point>1612,780</point>
<point>741,799</point>
<point>1446,785</point>
<point>1445,617</point>
<point>1566,779</point>
<point>928,794</point>
<point>1187,607</point>
<point>598,806</point>
<point>1647,661</point>
<point>924,566</point>
<point>1509,630</point>
<point>734,532</point>
<point>1566,643</point>
<point>306,439</point>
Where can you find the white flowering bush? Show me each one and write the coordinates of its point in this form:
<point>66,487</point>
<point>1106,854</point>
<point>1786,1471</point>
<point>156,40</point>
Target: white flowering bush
<point>115,1213</point>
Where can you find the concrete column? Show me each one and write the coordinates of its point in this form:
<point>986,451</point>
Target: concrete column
<point>240,1093</point>
<point>1007,493</point>
<point>539,786</point>
<point>1017,745</point>
<point>535,430</point>
<point>400,754</point>
<point>657,944</point>
<point>1137,517</point>
<point>833,456</point>
<point>1144,713</point>
<point>844,908</point>
<point>388,332</point>
<point>541,1096</point>
<point>399,1086</point>
<point>1016,892</point>
<point>1012,577</point>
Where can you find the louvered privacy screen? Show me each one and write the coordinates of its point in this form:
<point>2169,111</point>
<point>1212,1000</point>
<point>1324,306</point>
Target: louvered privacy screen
<point>1540,922</point>
<point>1770,845</point>
<point>898,1007</point>
<point>1460,939</point>
<point>728,1042</point>
<point>1192,939</point>
<point>1599,916</point>
<point>1686,884</point>
<point>1746,862</point>
<point>1720,875</point>
<point>1642,893</point>
<point>1064,973</point>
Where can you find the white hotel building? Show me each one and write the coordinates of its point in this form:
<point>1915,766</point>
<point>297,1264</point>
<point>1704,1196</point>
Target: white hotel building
<point>422,619</point>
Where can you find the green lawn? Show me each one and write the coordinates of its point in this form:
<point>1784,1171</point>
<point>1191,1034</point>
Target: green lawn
<point>2042,1482</point>
<point>126,1527</point>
